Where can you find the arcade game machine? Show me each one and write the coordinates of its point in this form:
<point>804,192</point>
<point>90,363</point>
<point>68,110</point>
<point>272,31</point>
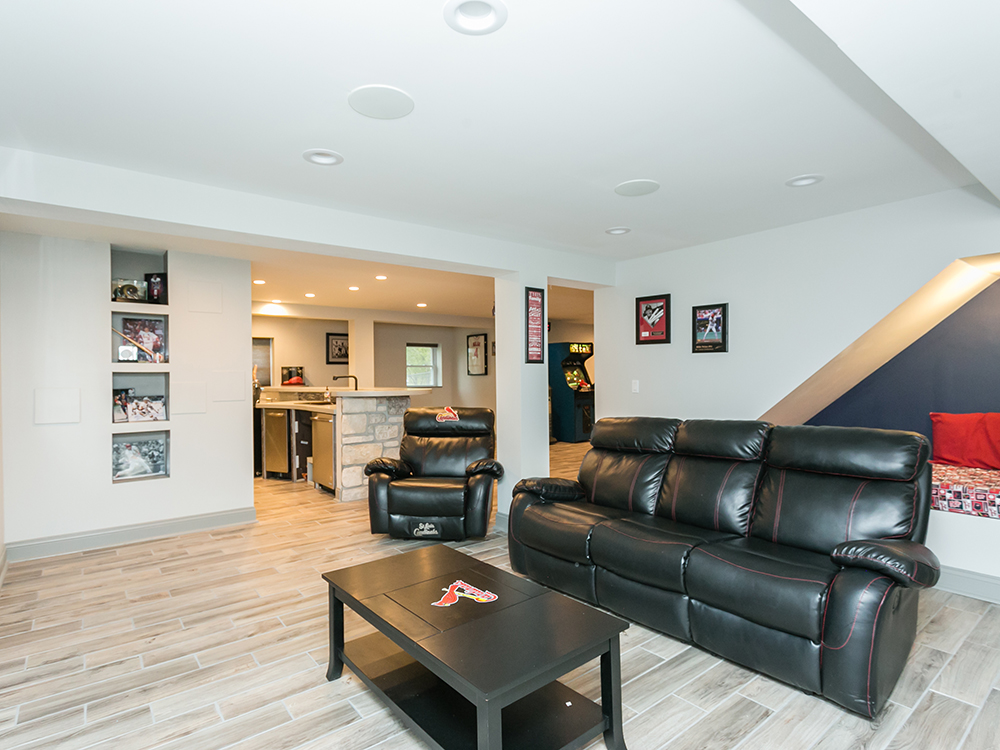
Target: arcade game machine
<point>572,392</point>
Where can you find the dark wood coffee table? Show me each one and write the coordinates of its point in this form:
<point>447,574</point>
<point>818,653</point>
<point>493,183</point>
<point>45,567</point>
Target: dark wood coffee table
<point>468,655</point>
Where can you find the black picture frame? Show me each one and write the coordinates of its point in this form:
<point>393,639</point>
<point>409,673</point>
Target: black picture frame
<point>652,319</point>
<point>337,349</point>
<point>534,326</point>
<point>477,354</point>
<point>713,320</point>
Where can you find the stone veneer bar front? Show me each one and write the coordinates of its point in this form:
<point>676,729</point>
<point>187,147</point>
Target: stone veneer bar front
<point>369,427</point>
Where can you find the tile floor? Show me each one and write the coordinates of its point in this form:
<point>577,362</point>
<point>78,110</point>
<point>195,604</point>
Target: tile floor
<point>218,640</point>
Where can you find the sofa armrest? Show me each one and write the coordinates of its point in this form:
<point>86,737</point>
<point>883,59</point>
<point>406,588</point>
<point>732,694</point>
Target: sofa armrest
<point>552,489</point>
<point>392,466</point>
<point>908,563</point>
<point>485,466</point>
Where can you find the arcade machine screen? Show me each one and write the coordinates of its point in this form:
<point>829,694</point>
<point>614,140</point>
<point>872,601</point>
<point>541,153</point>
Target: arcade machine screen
<point>575,377</point>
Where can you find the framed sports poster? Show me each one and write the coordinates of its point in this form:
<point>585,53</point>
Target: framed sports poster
<point>710,328</point>
<point>476,359</point>
<point>336,349</point>
<point>652,319</point>
<point>534,321</point>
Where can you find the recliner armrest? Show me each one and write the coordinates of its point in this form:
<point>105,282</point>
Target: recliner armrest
<point>908,563</point>
<point>485,466</point>
<point>552,489</point>
<point>392,466</point>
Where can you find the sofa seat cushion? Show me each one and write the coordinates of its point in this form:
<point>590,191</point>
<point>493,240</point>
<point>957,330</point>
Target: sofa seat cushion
<point>427,496</point>
<point>648,550</point>
<point>769,584</point>
<point>563,529</point>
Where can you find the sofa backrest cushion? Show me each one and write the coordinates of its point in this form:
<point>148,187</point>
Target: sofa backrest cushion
<point>827,485</point>
<point>712,478</point>
<point>442,442</point>
<point>624,469</point>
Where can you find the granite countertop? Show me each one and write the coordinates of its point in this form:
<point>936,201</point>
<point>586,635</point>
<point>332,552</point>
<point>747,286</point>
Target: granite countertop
<point>320,407</point>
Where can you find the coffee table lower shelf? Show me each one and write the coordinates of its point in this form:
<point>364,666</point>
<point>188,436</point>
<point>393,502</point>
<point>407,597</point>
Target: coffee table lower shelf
<point>554,717</point>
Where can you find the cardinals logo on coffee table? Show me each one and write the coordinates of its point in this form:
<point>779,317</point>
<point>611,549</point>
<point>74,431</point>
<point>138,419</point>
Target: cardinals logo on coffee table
<point>462,590</point>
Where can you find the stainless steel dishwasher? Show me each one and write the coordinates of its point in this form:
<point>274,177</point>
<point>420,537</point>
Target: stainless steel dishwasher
<point>323,451</point>
<point>276,441</point>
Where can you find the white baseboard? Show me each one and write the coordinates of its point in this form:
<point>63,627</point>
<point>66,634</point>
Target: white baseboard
<point>970,583</point>
<point>60,545</point>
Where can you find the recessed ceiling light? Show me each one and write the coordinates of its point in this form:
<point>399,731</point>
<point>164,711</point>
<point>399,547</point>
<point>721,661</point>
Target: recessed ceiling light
<point>804,180</point>
<point>259,281</point>
<point>380,102</point>
<point>475,16</point>
<point>353,288</point>
<point>633,188</point>
<point>381,278</point>
<point>421,304</point>
<point>276,301</point>
<point>323,157</point>
<point>310,294</point>
<point>618,230</point>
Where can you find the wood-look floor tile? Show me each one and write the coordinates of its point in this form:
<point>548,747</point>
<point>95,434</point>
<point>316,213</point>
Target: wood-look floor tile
<point>660,723</point>
<point>359,735</point>
<point>937,722</point>
<point>163,732</point>
<point>968,604</point>
<point>8,717</point>
<point>768,692</point>
<point>202,638</point>
<point>279,690</point>
<point>947,629</point>
<point>231,732</point>
<point>985,734</point>
<point>970,674</point>
<point>32,731</point>
<point>13,680</point>
<point>921,669</point>
<point>724,728</point>
<point>799,723</point>
<point>326,694</point>
<point>304,730</point>
<point>715,686</point>
<point>853,732</point>
<point>37,691</point>
<point>987,631</point>
<point>930,602</point>
<point>658,683</point>
<point>94,732</point>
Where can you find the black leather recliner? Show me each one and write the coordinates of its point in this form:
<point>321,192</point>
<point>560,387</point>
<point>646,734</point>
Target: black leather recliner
<point>441,486</point>
<point>796,551</point>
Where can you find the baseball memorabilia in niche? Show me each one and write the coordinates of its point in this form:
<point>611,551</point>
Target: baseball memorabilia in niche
<point>652,319</point>
<point>119,403</point>
<point>534,321</point>
<point>476,359</point>
<point>710,328</point>
<point>128,290</point>
<point>139,455</point>
<point>336,349</point>
<point>148,338</point>
<point>156,288</point>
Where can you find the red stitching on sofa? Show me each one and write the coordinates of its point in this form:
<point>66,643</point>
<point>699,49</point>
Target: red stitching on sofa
<point>871,652</point>
<point>857,610</point>
<point>916,562</point>
<point>913,515</point>
<point>677,486</point>
<point>640,539</point>
<point>850,515</point>
<point>718,498</point>
<point>566,523</point>
<point>901,572</point>
<point>761,572</point>
<point>777,510</point>
<point>635,479</point>
<point>753,501</point>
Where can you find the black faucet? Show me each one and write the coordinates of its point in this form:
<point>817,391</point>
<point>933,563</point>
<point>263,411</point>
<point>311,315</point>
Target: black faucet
<point>338,377</point>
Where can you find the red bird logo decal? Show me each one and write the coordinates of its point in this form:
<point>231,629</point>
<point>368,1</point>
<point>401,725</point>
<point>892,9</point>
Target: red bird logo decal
<point>461,589</point>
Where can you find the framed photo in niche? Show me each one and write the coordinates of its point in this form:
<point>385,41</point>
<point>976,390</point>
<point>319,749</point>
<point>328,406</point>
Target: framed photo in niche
<point>710,328</point>
<point>476,357</point>
<point>336,349</point>
<point>534,322</point>
<point>652,319</point>
<point>143,340</point>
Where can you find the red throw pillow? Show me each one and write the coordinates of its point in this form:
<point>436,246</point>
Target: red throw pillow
<point>967,439</point>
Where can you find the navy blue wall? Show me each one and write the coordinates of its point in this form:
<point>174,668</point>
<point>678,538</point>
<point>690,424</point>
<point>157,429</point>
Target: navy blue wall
<point>955,367</point>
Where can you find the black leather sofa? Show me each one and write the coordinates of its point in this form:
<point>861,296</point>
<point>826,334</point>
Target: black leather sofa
<point>441,486</point>
<point>795,551</point>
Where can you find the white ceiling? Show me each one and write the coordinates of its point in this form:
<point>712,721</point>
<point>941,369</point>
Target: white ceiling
<point>519,135</point>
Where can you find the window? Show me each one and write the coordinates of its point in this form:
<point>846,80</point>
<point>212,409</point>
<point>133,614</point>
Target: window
<point>423,365</point>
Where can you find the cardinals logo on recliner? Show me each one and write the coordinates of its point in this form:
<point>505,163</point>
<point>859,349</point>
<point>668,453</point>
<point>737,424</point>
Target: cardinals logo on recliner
<point>448,415</point>
<point>461,589</point>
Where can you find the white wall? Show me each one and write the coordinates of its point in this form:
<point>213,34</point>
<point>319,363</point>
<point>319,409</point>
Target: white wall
<point>475,390</point>
<point>301,342</point>
<point>55,310</point>
<point>797,296</point>
<point>3,544</point>
<point>457,387</point>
